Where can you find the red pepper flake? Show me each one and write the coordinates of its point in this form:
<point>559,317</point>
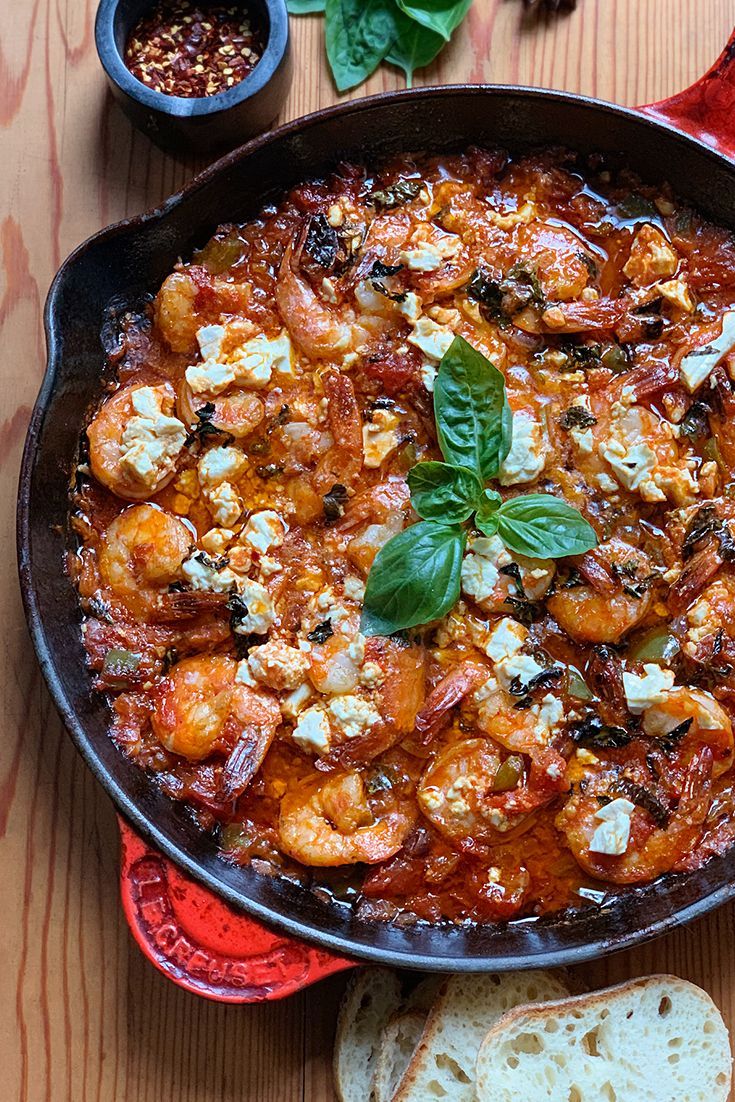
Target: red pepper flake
<point>183,49</point>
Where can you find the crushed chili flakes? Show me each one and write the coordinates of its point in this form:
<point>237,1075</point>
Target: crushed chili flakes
<point>184,49</point>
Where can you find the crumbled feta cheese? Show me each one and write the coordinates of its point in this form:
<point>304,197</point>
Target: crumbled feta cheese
<point>428,254</point>
<point>278,665</point>
<point>371,675</point>
<point>613,834</point>
<point>699,364</point>
<point>219,465</point>
<point>607,484</point>
<point>410,307</point>
<point>633,467</point>
<point>354,588</point>
<point>431,339</point>
<point>151,441</point>
<point>203,574</point>
<point>293,704</point>
<point>269,566</point>
<point>352,715</point>
<point>250,363</point>
<point>527,456</point>
<point>428,373</point>
<point>216,540</point>
<point>380,437</point>
<point>521,666</point>
<point>678,294</point>
<point>264,530</point>
<point>481,567</point>
<point>651,257</point>
<point>521,217</point>
<point>651,688</point>
<point>261,613</point>
<point>312,731</point>
<point>243,674</point>
<point>505,640</point>
<point>225,504</point>
<point>583,438</point>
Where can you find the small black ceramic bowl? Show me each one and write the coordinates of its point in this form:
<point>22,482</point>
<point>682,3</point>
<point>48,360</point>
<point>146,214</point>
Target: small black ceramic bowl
<point>208,123</point>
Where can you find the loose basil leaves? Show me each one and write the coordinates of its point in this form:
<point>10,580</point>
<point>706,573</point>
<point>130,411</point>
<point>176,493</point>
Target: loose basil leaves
<point>416,576</point>
<point>362,33</point>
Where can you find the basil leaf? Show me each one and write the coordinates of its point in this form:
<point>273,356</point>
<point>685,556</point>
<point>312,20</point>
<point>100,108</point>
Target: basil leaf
<point>414,579</point>
<point>542,526</point>
<point>414,46</point>
<point>440,16</point>
<point>358,34</point>
<point>473,418</point>
<point>303,7</point>
<point>487,512</point>
<point>440,491</point>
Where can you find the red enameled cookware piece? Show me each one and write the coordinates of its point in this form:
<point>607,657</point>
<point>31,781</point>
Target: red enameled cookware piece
<point>195,938</point>
<point>204,945</point>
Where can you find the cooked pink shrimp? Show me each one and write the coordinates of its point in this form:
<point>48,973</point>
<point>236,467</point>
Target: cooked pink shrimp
<point>140,555</point>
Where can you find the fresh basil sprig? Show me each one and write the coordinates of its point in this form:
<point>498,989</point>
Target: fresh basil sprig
<point>416,576</point>
<point>362,33</point>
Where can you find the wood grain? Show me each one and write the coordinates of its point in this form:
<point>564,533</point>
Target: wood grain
<point>82,1017</point>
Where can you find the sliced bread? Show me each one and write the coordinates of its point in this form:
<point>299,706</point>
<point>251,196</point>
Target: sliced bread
<point>397,1046</point>
<point>372,998</point>
<point>467,1006</point>
<point>658,1039</point>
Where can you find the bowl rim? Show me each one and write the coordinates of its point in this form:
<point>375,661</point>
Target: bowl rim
<point>117,71</point>
<point>341,943</point>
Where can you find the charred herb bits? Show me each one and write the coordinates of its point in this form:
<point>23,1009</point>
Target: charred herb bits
<point>191,50</point>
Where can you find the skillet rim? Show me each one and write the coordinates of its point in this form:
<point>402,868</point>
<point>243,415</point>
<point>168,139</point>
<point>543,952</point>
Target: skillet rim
<point>344,944</point>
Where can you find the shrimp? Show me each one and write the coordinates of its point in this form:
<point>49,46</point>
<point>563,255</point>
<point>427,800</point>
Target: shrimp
<point>188,299</point>
<point>644,850</point>
<point>699,721</point>
<point>472,793</point>
<point>600,610</point>
<point>460,682</point>
<point>322,330</point>
<point>202,709</point>
<point>557,256</point>
<point>237,412</point>
<point>140,555</point>
<point>334,820</point>
<point>342,463</point>
<point>135,442</point>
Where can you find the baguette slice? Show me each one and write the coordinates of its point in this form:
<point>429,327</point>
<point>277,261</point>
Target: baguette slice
<point>397,1046</point>
<point>443,1065</point>
<point>372,997</point>
<point>658,1039</point>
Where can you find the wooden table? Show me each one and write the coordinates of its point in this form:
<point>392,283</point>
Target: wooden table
<point>82,1016</point>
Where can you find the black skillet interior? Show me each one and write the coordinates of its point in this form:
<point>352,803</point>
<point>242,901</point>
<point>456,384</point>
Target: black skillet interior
<point>123,263</point>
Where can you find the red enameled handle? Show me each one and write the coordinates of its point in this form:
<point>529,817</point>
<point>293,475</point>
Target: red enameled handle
<point>201,943</point>
<point>707,108</point>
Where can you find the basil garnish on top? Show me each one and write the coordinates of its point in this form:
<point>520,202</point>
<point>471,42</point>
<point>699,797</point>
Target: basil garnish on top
<point>416,576</point>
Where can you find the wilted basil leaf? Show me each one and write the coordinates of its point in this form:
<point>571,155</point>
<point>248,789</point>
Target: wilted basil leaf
<point>473,418</point>
<point>443,492</point>
<point>415,578</point>
<point>542,526</point>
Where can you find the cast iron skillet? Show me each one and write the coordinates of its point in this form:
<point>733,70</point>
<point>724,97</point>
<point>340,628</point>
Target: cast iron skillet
<point>125,262</point>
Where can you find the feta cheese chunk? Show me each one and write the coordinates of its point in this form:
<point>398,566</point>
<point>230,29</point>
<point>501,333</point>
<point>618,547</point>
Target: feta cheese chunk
<point>651,257</point>
<point>430,338</point>
<point>220,465</point>
<point>352,715</point>
<point>312,731</point>
<point>527,456</point>
<point>225,504</point>
<point>380,437</point>
<point>264,530</point>
<point>278,665</point>
<point>481,569</point>
<point>152,440</point>
<point>429,248</point>
<point>506,639</point>
<point>203,573</point>
<point>651,688</point>
<point>613,834</point>
<point>699,364</point>
<point>261,614</point>
<point>633,467</point>
<point>248,363</point>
